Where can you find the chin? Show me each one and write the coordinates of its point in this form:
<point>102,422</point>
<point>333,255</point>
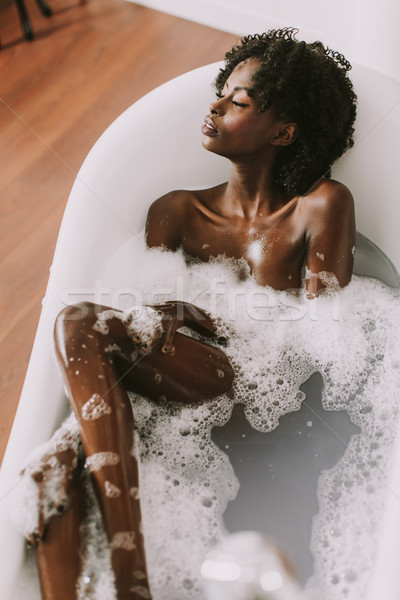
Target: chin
<point>209,143</point>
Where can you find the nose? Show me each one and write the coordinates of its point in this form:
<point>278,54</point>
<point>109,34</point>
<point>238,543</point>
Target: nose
<point>216,107</point>
<point>213,108</point>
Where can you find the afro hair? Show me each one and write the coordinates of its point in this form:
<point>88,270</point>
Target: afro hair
<point>306,83</point>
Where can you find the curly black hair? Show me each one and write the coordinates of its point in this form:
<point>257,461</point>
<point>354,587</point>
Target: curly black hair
<point>306,83</point>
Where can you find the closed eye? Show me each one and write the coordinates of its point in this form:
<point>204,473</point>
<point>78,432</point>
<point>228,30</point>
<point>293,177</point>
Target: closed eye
<point>235,102</point>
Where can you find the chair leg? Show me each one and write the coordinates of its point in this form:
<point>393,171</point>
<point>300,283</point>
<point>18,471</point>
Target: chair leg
<point>24,18</point>
<point>44,8</point>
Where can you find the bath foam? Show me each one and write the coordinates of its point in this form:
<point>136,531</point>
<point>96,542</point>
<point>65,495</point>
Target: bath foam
<point>97,461</point>
<point>96,580</point>
<point>276,341</point>
<point>24,498</point>
<point>95,408</point>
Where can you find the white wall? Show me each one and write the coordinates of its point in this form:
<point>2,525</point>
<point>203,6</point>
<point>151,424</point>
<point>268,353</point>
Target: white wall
<point>365,31</point>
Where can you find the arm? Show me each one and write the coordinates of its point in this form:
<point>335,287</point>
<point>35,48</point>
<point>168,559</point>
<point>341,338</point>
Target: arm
<point>330,237</point>
<point>163,228</point>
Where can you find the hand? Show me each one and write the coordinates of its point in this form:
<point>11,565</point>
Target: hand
<point>176,314</point>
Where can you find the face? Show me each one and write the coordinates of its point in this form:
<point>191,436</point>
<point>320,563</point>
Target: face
<point>234,126</point>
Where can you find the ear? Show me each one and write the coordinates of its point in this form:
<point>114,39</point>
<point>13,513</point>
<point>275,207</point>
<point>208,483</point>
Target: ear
<point>286,135</point>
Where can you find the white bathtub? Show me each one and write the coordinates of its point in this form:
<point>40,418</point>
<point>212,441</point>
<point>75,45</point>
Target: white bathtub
<point>154,147</point>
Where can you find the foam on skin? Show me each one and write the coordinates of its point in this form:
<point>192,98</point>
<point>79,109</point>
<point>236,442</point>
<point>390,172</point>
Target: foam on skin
<point>97,461</point>
<point>124,540</point>
<point>97,573</point>
<point>276,341</point>
<point>143,324</point>
<point>25,501</point>
<point>95,408</point>
<point>111,490</point>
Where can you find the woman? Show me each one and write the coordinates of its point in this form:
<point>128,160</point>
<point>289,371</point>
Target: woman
<point>284,112</point>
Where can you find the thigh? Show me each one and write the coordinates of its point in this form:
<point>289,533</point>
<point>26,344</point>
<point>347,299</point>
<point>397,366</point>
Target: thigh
<point>195,371</point>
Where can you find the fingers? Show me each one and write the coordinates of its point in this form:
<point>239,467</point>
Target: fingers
<point>144,326</point>
<point>143,344</point>
<point>199,320</point>
<point>167,347</point>
<point>178,313</point>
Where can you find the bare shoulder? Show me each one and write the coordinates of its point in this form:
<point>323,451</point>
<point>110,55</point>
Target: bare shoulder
<point>328,197</point>
<point>326,203</point>
<point>171,203</point>
<point>329,232</point>
<point>165,218</point>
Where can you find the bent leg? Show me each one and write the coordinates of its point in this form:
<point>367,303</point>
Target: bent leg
<point>90,354</point>
<point>105,417</point>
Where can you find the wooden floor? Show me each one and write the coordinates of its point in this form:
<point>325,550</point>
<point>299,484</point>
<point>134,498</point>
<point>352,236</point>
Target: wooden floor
<point>88,63</point>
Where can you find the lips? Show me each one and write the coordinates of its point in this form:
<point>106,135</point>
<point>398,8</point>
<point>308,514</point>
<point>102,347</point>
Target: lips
<point>208,127</point>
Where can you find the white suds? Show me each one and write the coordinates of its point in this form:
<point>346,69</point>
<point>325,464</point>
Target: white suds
<point>95,408</point>
<point>327,278</point>
<point>255,251</point>
<point>139,575</point>
<point>112,348</point>
<point>24,497</point>
<point>97,461</point>
<point>101,327</point>
<point>96,581</point>
<point>111,490</point>
<point>144,322</point>
<point>124,540</point>
<point>187,481</point>
<point>134,492</point>
<point>274,346</point>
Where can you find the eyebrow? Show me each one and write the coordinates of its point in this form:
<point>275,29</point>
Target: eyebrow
<point>238,87</point>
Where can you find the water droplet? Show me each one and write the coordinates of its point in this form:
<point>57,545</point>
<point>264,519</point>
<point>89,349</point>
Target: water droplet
<point>334,496</point>
<point>188,584</point>
<point>206,502</point>
<point>335,532</point>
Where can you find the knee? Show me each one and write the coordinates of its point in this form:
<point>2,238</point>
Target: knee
<point>77,313</point>
<point>74,319</point>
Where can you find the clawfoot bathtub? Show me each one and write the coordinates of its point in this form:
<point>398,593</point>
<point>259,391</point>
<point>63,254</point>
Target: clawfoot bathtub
<point>154,147</point>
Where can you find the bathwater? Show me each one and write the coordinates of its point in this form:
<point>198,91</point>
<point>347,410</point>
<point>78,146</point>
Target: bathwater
<point>299,450</point>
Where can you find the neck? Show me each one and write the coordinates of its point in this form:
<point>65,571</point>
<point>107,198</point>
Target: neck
<point>251,190</point>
